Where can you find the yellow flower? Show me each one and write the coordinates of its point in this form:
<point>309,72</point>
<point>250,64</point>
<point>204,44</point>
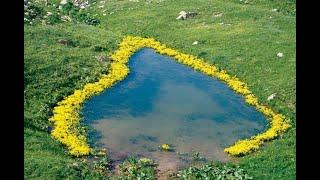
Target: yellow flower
<point>101,153</point>
<point>165,147</point>
<point>145,160</point>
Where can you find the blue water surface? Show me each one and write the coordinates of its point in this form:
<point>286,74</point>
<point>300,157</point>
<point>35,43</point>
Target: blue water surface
<point>162,101</point>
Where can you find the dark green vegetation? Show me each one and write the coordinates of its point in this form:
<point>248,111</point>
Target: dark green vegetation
<point>213,170</point>
<point>241,38</point>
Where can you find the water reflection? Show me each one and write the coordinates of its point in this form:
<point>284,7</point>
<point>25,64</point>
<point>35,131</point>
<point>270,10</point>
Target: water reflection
<point>162,101</point>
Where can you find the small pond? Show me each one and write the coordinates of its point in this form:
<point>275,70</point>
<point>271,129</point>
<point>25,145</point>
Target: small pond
<point>162,101</point>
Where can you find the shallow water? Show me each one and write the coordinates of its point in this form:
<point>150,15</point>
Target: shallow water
<point>162,101</point>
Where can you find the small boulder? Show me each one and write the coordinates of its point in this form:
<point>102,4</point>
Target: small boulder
<point>184,15</point>
<point>280,54</point>
<point>76,2</point>
<point>195,43</point>
<point>65,18</point>
<point>271,96</point>
<point>63,2</point>
<point>66,42</point>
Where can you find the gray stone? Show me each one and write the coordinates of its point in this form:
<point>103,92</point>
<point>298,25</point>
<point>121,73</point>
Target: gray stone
<point>66,42</point>
<point>184,15</point>
<point>280,54</point>
<point>65,18</point>
<point>64,2</point>
<point>271,96</point>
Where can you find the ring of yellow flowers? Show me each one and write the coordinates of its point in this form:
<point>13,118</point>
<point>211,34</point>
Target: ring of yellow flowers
<point>66,118</point>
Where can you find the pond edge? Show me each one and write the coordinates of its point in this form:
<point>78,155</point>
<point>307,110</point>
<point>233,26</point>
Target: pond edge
<point>66,115</point>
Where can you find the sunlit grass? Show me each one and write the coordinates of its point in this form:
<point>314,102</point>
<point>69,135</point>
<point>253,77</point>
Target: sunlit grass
<point>245,45</point>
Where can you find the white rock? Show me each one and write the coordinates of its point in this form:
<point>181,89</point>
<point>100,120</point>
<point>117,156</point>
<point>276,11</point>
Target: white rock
<point>82,7</point>
<point>218,15</point>
<point>49,13</point>
<point>76,2</point>
<point>195,43</point>
<point>64,2</point>
<point>280,54</point>
<point>181,16</point>
<point>184,15</point>
<point>271,96</point>
<point>104,14</point>
<point>274,10</point>
<point>65,18</point>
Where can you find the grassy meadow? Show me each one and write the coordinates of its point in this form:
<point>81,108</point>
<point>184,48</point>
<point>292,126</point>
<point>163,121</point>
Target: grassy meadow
<point>241,37</point>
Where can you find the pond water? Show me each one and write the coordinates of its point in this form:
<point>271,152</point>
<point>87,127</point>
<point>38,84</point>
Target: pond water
<point>162,101</point>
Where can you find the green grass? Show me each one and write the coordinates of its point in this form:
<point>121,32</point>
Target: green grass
<point>245,46</point>
<point>52,71</point>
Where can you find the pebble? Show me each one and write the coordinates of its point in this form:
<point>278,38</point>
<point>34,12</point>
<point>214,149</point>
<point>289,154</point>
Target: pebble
<point>280,54</point>
<point>271,96</point>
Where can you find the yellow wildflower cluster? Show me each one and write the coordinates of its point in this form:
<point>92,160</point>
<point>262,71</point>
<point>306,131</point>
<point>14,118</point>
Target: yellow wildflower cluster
<point>165,147</point>
<point>66,114</point>
<point>278,125</point>
<point>101,153</point>
<point>66,117</point>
